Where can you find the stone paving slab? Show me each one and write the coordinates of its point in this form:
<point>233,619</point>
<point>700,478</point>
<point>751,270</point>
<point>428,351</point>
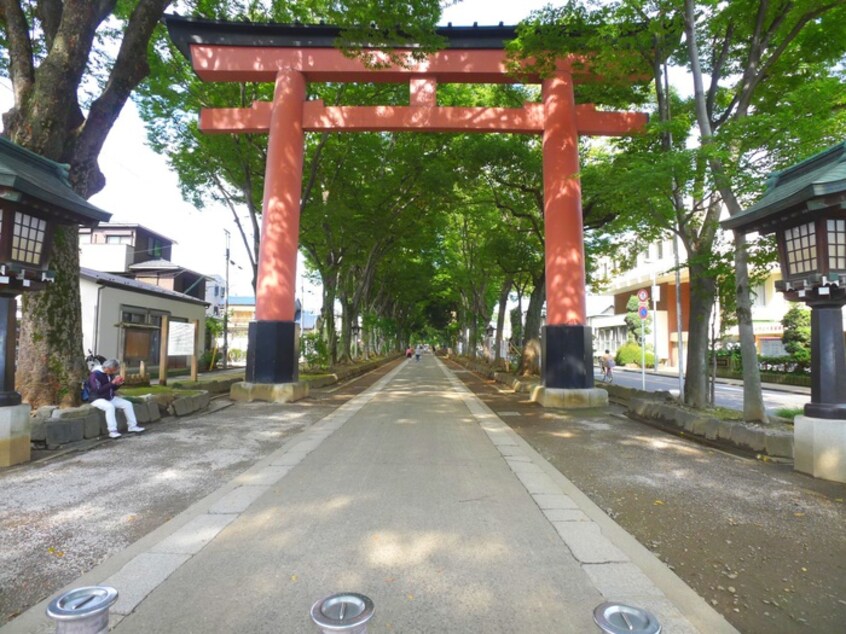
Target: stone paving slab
<point>239,500</point>
<point>192,537</point>
<point>140,577</point>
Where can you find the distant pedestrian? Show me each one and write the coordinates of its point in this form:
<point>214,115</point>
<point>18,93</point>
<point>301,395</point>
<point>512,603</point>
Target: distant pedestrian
<point>102,385</point>
<point>418,352</point>
<point>607,363</point>
<point>408,352</point>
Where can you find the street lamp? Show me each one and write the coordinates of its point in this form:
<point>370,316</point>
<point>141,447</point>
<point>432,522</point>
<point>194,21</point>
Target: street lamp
<point>35,196</point>
<point>804,206</point>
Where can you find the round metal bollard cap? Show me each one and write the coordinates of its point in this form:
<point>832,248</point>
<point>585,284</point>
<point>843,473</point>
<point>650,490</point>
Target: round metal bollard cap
<point>343,612</point>
<point>82,603</point>
<point>618,618</point>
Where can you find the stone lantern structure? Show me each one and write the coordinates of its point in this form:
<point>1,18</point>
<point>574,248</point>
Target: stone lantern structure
<point>35,196</point>
<point>805,207</point>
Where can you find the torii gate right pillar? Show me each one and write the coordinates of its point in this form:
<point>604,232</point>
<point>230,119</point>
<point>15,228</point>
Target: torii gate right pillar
<point>567,356</point>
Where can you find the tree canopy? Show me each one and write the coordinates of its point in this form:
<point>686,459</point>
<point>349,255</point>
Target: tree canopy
<point>420,234</point>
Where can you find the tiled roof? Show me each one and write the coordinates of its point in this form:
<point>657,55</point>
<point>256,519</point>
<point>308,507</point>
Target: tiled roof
<point>109,279</point>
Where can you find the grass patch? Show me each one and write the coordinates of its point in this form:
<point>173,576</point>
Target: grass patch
<point>790,412</point>
<point>312,377</point>
<point>153,389</point>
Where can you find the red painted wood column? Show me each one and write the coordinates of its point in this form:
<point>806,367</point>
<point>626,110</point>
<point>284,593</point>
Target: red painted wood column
<point>280,226</point>
<point>562,192</point>
<point>272,338</point>
<point>567,343</point>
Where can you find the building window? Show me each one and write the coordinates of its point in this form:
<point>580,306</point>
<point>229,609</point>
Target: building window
<point>801,245</point>
<point>118,239</point>
<point>134,317</point>
<point>660,249</point>
<point>836,245</point>
<point>155,248</point>
<point>759,295</point>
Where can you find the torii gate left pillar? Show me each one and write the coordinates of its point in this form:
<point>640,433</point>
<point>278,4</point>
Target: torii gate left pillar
<point>567,372</point>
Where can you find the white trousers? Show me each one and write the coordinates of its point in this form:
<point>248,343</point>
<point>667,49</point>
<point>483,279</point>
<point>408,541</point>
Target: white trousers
<point>109,408</point>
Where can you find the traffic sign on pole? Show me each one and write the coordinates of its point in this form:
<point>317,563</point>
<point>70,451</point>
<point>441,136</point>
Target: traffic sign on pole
<point>642,295</point>
<point>643,312</point>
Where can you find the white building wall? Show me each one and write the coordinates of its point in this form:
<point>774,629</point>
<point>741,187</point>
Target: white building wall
<point>113,258</point>
<point>88,296</point>
<point>112,299</point>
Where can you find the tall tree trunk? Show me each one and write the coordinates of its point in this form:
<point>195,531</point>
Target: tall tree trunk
<point>500,317</point>
<point>753,398</point>
<point>346,329</point>
<point>530,359</point>
<point>328,310</point>
<point>701,305</point>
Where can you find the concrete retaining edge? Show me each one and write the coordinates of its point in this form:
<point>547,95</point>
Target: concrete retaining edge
<point>660,408</point>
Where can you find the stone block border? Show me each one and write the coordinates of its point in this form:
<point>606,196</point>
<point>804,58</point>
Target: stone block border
<point>775,441</point>
<point>661,409</point>
<point>55,427</point>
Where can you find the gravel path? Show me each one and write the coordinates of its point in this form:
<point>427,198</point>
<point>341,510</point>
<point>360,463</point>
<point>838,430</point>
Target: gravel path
<point>63,516</point>
<point>766,546</point>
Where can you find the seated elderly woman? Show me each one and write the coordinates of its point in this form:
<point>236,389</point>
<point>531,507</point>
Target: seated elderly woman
<point>102,385</point>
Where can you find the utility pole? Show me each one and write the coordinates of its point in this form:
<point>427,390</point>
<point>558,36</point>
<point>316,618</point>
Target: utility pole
<point>654,294</point>
<point>226,308</point>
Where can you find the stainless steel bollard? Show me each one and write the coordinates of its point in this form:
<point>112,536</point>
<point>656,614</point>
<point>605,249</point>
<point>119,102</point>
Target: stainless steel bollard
<point>345,612</point>
<point>83,610</point>
<point>618,618</point>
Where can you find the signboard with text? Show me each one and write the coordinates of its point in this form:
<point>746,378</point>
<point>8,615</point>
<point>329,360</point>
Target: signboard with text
<point>180,339</point>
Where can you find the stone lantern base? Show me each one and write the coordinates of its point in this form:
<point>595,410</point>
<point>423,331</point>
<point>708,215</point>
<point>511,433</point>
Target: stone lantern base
<point>14,435</point>
<point>819,447</point>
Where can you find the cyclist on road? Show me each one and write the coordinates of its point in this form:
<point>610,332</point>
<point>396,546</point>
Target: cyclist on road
<point>607,363</point>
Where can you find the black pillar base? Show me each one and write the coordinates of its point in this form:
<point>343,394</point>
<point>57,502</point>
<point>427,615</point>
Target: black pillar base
<point>272,352</point>
<point>8,330</point>
<point>567,361</point>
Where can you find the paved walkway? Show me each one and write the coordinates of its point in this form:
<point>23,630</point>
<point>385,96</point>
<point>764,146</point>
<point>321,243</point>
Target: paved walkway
<point>413,493</point>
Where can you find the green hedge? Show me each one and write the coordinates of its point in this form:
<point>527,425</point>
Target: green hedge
<point>630,352</point>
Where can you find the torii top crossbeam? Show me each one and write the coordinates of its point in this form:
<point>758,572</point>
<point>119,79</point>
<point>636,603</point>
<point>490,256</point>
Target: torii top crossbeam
<point>292,55</point>
<point>222,51</point>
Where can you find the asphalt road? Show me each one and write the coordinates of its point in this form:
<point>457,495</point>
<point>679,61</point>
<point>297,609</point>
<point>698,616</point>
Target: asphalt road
<point>730,396</point>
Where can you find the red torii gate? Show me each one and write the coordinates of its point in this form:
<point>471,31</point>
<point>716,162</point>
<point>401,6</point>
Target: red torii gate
<point>290,56</point>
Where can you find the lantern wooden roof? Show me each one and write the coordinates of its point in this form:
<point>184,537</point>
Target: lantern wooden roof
<point>39,184</point>
<point>816,183</point>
